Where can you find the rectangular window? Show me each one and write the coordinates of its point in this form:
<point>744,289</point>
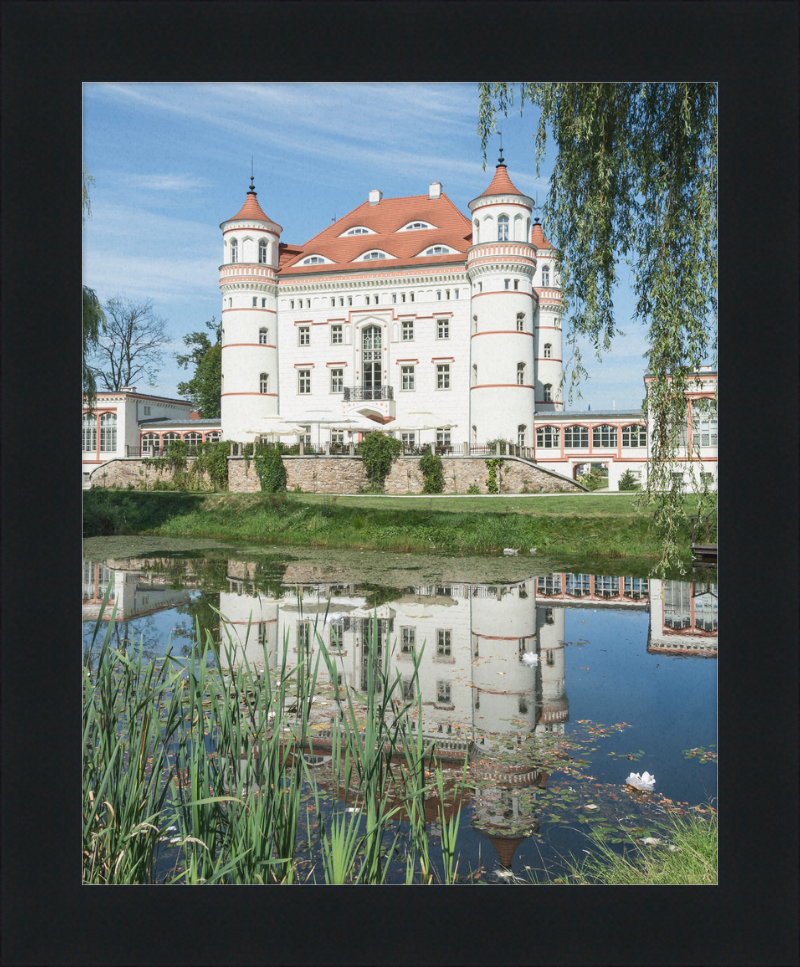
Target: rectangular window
<point>408,640</point>
<point>516,283</point>
<point>706,479</point>
<point>409,440</point>
<point>443,693</point>
<point>336,335</point>
<point>408,330</point>
<point>349,300</point>
<point>457,291</point>
<point>291,303</point>
<point>89,433</point>
<point>442,437</point>
<point>402,297</point>
<point>336,634</point>
<point>394,298</point>
<point>576,436</point>
<point>337,436</point>
<point>634,436</point>
<point>604,436</point>
<point>408,376</point>
<point>443,329</point>
<point>443,643</point>
<point>305,335</point>
<point>547,437</point>
<point>443,376</point>
<point>520,322</point>
<point>255,302</point>
<point>704,431</point>
<point>337,381</point>
<point>506,283</point>
<point>303,381</point>
<point>147,411</point>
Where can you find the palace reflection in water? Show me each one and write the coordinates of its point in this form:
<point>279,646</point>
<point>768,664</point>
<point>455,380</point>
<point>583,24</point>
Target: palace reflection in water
<point>478,697</point>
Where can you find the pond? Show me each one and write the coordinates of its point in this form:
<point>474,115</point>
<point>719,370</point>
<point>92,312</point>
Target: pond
<point>541,693</point>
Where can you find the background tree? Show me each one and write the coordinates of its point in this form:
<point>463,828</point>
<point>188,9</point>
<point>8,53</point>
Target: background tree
<point>635,179</point>
<point>131,344</point>
<point>205,387</point>
<point>93,318</point>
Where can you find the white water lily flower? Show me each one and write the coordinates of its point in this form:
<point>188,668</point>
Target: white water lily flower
<point>510,550</point>
<point>644,782</point>
<point>651,841</point>
<point>530,658</point>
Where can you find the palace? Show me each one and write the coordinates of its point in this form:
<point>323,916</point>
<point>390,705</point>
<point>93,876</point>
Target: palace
<point>404,316</point>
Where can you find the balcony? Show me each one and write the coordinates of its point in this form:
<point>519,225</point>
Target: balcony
<point>358,393</point>
<point>375,402</point>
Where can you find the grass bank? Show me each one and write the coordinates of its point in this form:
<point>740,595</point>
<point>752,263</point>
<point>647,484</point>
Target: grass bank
<point>579,527</point>
<point>684,854</point>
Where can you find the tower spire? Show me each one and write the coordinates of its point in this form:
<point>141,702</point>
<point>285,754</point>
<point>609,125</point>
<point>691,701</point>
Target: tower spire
<point>500,160</point>
<point>252,186</point>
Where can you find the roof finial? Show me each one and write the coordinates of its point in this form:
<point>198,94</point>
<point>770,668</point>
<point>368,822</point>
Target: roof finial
<point>500,159</point>
<point>252,186</point>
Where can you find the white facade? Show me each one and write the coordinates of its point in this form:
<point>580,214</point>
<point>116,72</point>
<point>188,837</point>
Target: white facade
<point>403,315</point>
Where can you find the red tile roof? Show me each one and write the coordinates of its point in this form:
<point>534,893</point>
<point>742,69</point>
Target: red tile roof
<point>251,210</point>
<point>386,219</point>
<point>537,237</point>
<point>501,184</point>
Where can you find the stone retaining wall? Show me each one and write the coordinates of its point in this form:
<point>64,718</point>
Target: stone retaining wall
<point>132,470</point>
<point>346,475</point>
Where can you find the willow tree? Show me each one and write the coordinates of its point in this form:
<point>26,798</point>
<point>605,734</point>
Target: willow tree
<point>93,317</point>
<point>634,183</point>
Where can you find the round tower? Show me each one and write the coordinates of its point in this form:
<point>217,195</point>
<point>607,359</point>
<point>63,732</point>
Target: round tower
<point>248,283</point>
<point>501,264</point>
<point>555,705</point>
<point>547,331</point>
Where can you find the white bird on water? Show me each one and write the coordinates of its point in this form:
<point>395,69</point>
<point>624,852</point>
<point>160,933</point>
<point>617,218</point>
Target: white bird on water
<point>644,782</point>
<point>530,658</point>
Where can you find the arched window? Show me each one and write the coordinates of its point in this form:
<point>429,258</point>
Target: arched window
<point>374,255</point>
<point>545,275</point>
<point>576,436</point>
<point>263,336</point>
<point>520,322</point>
<point>108,432</point>
<point>474,436</point>
<point>547,437</point>
<point>150,442</point>
<point>520,374</point>
<point>476,232</point>
<point>234,250</point>
<point>262,252</point>
<point>169,438</point>
<point>502,228</point>
<point>547,350</point>
<point>474,374</point>
<point>191,440</point>
<point>213,436</point>
<point>604,436</point>
<point>521,435</point>
<point>437,250</point>
<point>548,392</point>
<point>474,323</point>
<point>263,383</point>
<point>518,237</point>
<point>89,432</point>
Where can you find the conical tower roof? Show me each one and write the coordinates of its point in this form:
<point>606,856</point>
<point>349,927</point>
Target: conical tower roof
<point>251,210</point>
<point>501,184</point>
<point>537,236</point>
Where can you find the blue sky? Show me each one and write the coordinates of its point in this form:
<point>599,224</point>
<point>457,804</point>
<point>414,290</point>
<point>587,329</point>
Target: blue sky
<point>172,161</point>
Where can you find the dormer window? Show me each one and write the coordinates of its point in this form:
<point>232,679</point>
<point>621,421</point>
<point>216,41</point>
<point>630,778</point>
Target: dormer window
<point>358,230</point>
<point>373,255</point>
<point>234,250</point>
<point>313,260</point>
<point>415,226</point>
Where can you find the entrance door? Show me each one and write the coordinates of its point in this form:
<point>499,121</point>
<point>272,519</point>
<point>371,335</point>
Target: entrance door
<point>372,362</point>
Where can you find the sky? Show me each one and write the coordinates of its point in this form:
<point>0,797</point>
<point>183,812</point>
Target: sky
<point>172,161</point>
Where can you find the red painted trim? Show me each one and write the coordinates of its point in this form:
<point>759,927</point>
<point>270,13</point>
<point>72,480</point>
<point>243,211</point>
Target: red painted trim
<point>303,322</point>
<point>335,364</point>
<point>493,385</point>
<point>304,365</point>
<point>547,359</point>
<point>248,394</point>
<point>261,345</point>
<point>398,361</point>
<point>250,309</point>
<point>443,359</point>
<point>504,332</point>
<point>518,292</point>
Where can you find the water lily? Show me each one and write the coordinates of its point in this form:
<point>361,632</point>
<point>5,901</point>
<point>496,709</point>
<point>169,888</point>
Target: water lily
<point>530,658</point>
<point>510,550</point>
<point>644,782</point>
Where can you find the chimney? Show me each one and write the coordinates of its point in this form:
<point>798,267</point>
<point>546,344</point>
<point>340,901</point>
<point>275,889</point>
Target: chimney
<point>127,389</point>
<point>375,196</point>
<point>435,189</point>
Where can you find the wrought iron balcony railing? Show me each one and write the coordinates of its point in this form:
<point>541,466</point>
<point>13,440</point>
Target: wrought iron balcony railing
<point>355,393</point>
